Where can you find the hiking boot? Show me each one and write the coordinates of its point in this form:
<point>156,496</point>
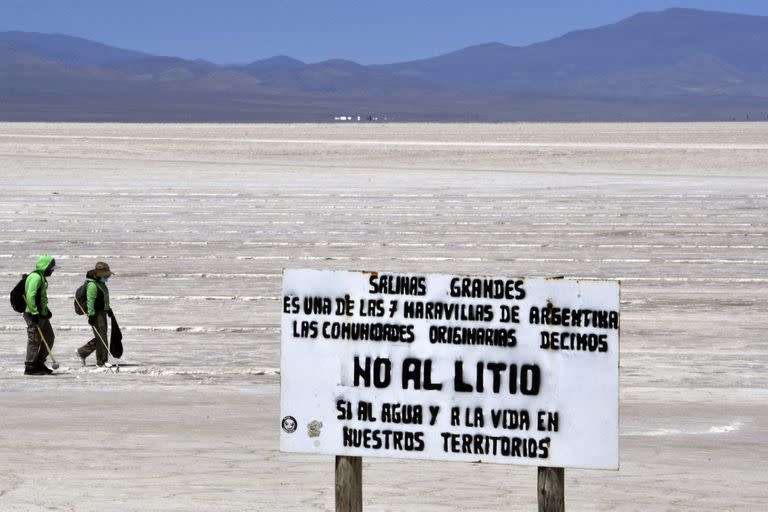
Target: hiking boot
<point>80,357</point>
<point>44,369</point>
<point>34,370</point>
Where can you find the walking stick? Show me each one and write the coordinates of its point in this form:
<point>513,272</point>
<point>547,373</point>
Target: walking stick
<point>98,335</point>
<point>54,363</point>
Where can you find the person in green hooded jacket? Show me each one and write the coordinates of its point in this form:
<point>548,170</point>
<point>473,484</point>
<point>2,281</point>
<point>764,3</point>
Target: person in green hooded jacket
<point>38,315</point>
<point>97,308</point>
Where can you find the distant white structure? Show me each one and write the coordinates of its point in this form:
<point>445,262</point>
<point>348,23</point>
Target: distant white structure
<point>357,118</point>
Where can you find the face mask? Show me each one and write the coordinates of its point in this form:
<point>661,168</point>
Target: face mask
<point>104,279</point>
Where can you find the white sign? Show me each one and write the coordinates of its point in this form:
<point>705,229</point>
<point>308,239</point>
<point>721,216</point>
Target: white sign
<point>427,366</point>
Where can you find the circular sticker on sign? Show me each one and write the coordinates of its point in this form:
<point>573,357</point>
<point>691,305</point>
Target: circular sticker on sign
<point>289,424</point>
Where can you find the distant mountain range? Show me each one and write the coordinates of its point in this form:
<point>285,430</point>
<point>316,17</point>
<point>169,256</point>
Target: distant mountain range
<point>678,64</point>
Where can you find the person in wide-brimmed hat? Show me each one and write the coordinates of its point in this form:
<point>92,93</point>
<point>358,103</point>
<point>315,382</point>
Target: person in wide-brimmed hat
<point>97,308</point>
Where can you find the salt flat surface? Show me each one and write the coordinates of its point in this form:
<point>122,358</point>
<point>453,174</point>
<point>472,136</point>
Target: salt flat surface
<point>199,221</point>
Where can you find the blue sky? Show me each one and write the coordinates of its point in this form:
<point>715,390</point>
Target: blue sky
<point>366,31</point>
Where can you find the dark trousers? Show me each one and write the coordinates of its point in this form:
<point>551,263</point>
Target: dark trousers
<point>99,342</point>
<point>36,351</point>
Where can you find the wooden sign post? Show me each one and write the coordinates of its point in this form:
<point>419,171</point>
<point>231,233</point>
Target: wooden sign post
<point>551,489</point>
<point>349,484</point>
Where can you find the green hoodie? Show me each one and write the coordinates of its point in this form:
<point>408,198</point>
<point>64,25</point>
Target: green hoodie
<point>37,283</point>
<point>98,296</point>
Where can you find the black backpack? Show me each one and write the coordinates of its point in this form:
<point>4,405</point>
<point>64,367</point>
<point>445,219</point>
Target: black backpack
<point>18,303</point>
<point>81,298</point>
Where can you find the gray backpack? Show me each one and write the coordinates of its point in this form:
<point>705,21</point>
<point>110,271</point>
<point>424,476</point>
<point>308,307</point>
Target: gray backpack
<point>81,298</point>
